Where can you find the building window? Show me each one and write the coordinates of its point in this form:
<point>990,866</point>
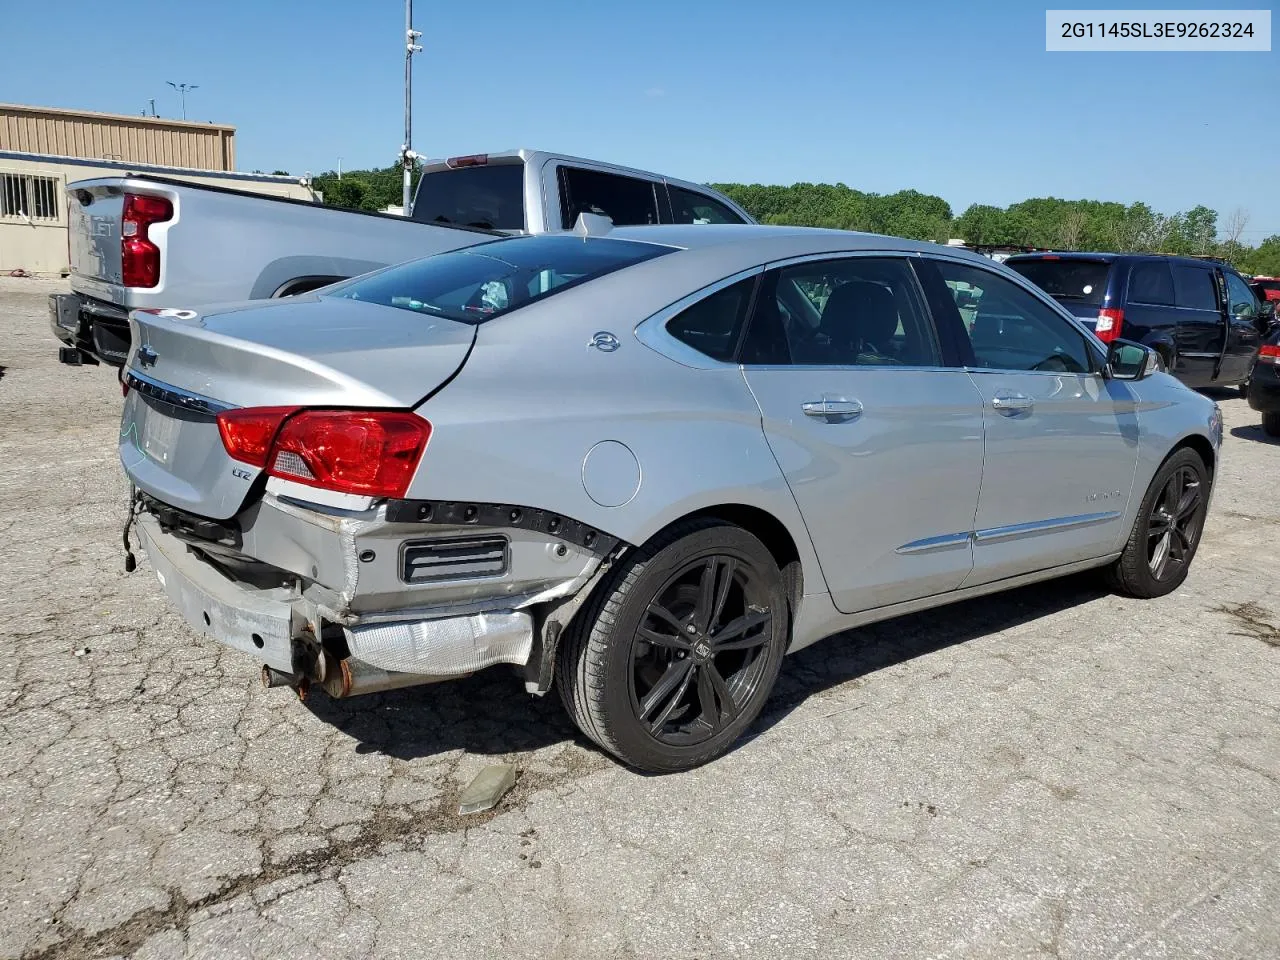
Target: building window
<point>25,197</point>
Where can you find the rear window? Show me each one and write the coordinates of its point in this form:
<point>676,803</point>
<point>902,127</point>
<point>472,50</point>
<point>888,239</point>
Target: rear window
<point>491,197</point>
<point>485,281</point>
<point>1080,281</point>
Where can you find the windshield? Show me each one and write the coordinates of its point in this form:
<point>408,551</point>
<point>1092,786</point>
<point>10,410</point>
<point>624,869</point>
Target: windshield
<point>485,281</point>
<point>491,197</point>
<point>1080,281</point>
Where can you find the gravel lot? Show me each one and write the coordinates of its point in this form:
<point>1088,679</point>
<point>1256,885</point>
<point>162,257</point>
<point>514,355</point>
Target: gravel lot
<point>1053,772</point>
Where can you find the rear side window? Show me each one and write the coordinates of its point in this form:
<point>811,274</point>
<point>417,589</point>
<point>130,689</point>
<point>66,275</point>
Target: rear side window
<point>1195,287</point>
<point>491,197</point>
<point>626,201</point>
<point>854,311</point>
<point>1079,281</point>
<point>712,325</point>
<point>1151,282</point>
<point>485,281</point>
<point>690,207</point>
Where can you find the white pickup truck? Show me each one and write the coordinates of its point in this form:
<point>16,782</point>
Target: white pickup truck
<point>143,241</point>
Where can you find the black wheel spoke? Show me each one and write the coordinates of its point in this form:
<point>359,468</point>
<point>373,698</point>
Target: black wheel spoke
<point>663,639</point>
<point>1160,559</point>
<point>666,616</point>
<point>667,683</point>
<point>706,595</point>
<point>1189,503</point>
<point>736,628</point>
<point>674,701</point>
<point>728,706</point>
<point>722,594</point>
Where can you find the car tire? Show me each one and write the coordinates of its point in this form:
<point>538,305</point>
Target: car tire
<point>668,691</point>
<point>1166,531</point>
<point>1271,423</point>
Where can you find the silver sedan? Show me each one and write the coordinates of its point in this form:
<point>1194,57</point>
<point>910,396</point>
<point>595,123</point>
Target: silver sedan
<point>643,464</point>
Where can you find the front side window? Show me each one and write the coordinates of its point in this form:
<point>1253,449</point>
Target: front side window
<point>859,311</point>
<point>690,207</point>
<point>713,324</point>
<point>1151,283</point>
<point>1195,287</point>
<point>626,201</point>
<point>1241,299</point>
<point>479,283</point>
<point>1009,328</point>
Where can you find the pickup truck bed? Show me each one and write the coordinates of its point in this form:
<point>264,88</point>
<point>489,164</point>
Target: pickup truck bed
<point>217,245</point>
<point>140,242</point>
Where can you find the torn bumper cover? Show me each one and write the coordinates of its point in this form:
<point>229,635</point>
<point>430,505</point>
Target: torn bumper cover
<point>267,621</point>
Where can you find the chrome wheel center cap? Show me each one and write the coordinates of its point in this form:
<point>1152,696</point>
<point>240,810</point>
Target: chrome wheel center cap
<point>702,650</point>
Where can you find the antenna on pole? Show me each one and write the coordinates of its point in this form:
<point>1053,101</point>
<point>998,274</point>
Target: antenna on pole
<point>407,156</point>
<point>182,89</point>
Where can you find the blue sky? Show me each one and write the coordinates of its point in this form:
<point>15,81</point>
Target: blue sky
<point>954,98</point>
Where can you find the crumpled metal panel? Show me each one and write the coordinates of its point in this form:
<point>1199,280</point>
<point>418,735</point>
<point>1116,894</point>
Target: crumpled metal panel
<point>447,647</point>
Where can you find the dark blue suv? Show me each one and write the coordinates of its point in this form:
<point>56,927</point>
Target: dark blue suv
<point>1200,315</point>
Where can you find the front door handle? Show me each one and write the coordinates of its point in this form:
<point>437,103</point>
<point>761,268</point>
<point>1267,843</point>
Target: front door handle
<point>1010,403</point>
<point>832,409</point>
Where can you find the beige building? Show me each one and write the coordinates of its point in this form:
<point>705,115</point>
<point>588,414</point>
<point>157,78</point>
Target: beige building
<point>43,149</point>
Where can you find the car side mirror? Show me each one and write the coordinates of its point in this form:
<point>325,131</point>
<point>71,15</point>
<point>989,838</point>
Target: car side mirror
<point>1127,360</point>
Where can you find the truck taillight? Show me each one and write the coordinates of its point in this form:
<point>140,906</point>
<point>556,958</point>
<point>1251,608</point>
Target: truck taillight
<point>470,160</point>
<point>139,257</point>
<point>1110,323</point>
<point>373,453</point>
<point>1269,353</point>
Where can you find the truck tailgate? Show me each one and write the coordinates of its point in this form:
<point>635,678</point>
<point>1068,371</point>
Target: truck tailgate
<point>94,212</point>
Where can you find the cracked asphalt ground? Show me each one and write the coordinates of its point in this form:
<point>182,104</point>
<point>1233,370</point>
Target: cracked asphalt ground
<point>1053,772</point>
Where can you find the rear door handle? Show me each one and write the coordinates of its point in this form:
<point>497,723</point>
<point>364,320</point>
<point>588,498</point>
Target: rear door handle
<point>1010,403</point>
<point>832,409</point>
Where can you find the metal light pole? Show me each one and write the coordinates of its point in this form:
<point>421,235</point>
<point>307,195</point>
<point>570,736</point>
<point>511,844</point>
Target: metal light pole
<point>407,156</point>
<point>182,89</point>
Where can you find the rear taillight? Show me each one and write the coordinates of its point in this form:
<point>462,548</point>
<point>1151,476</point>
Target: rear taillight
<point>1269,353</point>
<point>369,452</point>
<point>470,160</point>
<point>1110,322</point>
<point>247,433</point>
<point>139,257</point>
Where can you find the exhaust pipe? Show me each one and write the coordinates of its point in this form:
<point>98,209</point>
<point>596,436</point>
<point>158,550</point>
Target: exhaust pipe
<point>353,678</point>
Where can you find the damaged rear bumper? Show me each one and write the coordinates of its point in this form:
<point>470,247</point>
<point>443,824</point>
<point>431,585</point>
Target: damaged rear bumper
<point>290,633</point>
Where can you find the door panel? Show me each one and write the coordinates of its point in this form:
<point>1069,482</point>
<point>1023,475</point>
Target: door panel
<point>1243,335</point>
<point>1201,328</point>
<point>881,491</point>
<point>881,445</point>
<point>1059,470</point>
<point>1061,443</point>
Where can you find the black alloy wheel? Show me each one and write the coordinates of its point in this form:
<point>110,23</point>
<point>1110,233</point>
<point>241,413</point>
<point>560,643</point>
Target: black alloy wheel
<point>676,652</point>
<point>1174,525</point>
<point>698,653</point>
<point>1166,531</point>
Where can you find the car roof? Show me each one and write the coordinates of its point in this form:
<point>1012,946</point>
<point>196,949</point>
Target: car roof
<point>767,241</point>
<point>1113,257</point>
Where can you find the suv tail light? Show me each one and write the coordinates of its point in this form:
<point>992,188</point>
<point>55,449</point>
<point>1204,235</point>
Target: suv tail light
<point>1110,323</point>
<point>373,453</point>
<point>139,257</point>
<point>1269,353</point>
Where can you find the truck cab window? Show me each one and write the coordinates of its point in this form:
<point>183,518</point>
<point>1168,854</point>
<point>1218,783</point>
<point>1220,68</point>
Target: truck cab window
<point>626,201</point>
<point>690,207</point>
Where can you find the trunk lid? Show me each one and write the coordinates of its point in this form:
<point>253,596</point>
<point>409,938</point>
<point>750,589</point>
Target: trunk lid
<point>187,366</point>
